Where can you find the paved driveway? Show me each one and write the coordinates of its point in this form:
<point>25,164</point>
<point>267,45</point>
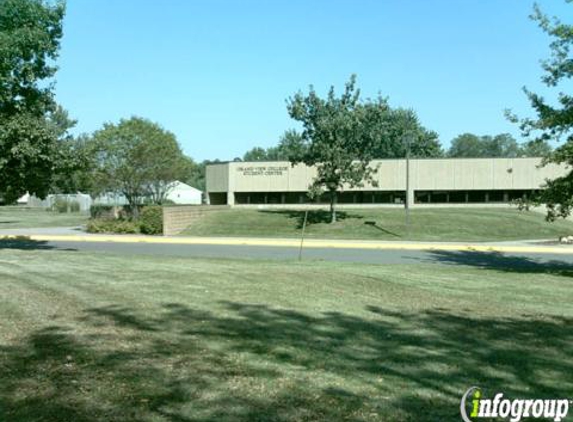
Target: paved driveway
<point>514,258</point>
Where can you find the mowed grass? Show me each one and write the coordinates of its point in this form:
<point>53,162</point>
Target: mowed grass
<point>96,337</point>
<point>17,217</point>
<point>444,224</point>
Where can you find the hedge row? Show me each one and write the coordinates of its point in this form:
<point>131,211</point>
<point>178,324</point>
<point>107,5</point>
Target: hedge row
<point>150,221</point>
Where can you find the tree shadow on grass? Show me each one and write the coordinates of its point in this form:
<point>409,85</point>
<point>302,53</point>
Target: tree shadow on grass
<point>314,216</point>
<point>375,225</point>
<point>252,362</point>
<point>27,244</point>
<point>502,262</point>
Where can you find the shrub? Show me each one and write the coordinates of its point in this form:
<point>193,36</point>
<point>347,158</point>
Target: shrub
<point>62,205</point>
<point>151,220</point>
<point>98,211</point>
<point>59,205</point>
<point>74,206</point>
<point>103,225</point>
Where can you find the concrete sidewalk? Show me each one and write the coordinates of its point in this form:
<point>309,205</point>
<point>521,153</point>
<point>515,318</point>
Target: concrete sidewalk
<point>59,231</point>
<point>75,234</point>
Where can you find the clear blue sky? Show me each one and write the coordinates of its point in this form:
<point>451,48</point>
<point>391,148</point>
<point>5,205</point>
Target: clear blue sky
<point>217,72</point>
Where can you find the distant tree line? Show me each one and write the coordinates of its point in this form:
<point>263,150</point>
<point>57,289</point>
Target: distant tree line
<point>427,145</point>
<point>503,145</point>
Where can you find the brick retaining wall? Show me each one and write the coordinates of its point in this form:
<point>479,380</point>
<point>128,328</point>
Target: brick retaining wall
<point>178,218</point>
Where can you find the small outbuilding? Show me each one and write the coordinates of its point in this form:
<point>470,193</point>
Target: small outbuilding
<point>23,200</point>
<point>182,193</point>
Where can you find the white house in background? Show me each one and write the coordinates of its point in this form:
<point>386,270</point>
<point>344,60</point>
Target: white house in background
<point>23,200</point>
<point>181,193</point>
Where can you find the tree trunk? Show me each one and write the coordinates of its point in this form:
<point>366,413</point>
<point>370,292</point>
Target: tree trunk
<point>132,202</point>
<point>135,211</point>
<point>333,200</point>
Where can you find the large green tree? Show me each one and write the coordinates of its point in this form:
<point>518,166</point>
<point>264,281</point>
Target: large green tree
<point>539,148</point>
<point>468,145</point>
<point>404,132</point>
<point>289,147</point>
<point>258,154</point>
<point>137,158</point>
<point>79,159</point>
<point>30,151</point>
<point>338,137</point>
<point>73,173</point>
<point>193,173</point>
<point>554,120</point>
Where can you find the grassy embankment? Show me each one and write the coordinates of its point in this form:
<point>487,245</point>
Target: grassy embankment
<point>96,337</point>
<point>453,224</point>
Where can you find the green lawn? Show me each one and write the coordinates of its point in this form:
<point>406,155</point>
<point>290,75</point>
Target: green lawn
<point>96,337</point>
<point>15,217</point>
<point>446,224</point>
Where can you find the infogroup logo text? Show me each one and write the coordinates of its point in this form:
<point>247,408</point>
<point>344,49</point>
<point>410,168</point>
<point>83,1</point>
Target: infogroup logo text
<point>512,409</point>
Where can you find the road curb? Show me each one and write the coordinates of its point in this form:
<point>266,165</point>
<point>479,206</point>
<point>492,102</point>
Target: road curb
<point>292,243</point>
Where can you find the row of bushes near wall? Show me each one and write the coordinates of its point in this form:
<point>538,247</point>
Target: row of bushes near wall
<point>109,219</point>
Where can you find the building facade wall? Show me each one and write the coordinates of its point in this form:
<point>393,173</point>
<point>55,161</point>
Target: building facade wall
<point>510,175</point>
<point>217,177</point>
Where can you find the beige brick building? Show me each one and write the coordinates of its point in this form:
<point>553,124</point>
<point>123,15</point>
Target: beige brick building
<point>432,181</point>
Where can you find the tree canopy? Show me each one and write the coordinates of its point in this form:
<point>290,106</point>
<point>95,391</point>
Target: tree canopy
<point>290,146</point>
<point>468,145</point>
<point>30,151</point>
<point>404,131</point>
<point>554,122</point>
<point>137,158</point>
<point>338,137</point>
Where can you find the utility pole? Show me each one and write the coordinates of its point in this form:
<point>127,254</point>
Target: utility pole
<point>407,201</point>
<point>302,235</point>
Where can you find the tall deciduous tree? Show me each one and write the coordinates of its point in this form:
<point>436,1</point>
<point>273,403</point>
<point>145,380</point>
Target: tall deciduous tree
<point>554,121</point>
<point>466,145</point>
<point>338,137</point>
<point>137,158</point>
<point>256,154</point>
<point>536,148</point>
<point>404,131</point>
<point>30,154</point>
<point>290,146</point>
<point>195,173</point>
<point>469,145</point>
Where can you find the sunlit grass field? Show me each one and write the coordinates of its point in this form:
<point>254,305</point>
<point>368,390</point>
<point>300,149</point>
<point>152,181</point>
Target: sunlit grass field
<point>96,337</point>
<point>440,224</point>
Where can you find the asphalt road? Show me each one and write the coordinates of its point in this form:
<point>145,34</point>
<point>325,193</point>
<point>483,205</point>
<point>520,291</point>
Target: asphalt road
<point>530,261</point>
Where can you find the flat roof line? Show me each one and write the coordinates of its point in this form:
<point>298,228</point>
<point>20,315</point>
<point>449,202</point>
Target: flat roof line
<point>390,159</point>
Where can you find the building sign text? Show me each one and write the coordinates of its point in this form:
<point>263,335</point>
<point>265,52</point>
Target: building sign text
<point>262,170</point>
